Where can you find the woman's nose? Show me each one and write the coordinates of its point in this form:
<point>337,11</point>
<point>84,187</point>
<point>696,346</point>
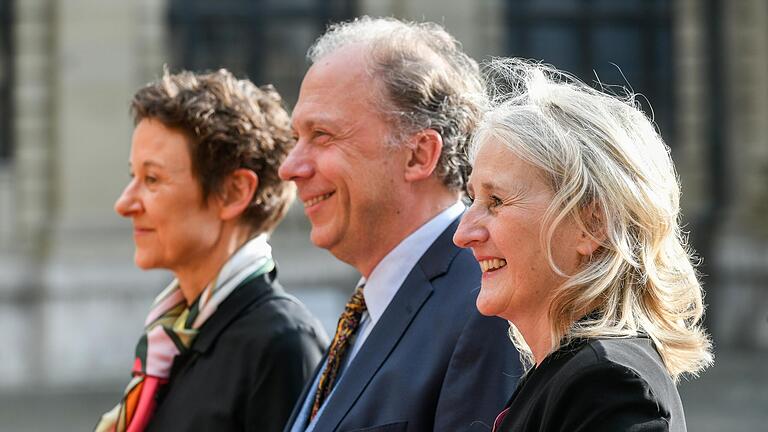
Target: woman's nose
<point>128,203</point>
<point>470,232</point>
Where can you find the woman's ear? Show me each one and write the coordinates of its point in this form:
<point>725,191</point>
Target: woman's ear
<point>237,192</point>
<point>423,154</point>
<point>593,229</point>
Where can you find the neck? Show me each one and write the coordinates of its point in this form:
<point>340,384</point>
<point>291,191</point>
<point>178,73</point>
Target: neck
<point>408,217</point>
<point>194,277</point>
<point>536,332</point>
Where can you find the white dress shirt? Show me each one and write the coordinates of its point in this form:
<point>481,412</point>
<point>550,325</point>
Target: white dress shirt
<point>380,288</point>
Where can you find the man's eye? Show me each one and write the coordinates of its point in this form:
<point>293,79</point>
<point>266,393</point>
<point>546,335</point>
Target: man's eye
<point>320,136</point>
<point>150,180</point>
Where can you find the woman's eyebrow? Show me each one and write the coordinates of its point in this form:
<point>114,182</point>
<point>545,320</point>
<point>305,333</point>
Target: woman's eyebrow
<point>148,163</point>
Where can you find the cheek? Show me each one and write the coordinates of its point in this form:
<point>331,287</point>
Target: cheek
<point>566,254</point>
<point>199,230</point>
<point>180,229</point>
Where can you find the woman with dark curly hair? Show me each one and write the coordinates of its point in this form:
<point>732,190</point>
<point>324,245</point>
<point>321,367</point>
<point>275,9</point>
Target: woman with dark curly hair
<point>224,348</point>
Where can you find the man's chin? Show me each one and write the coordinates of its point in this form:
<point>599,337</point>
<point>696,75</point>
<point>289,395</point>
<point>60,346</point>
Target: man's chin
<point>328,239</point>
<point>320,238</point>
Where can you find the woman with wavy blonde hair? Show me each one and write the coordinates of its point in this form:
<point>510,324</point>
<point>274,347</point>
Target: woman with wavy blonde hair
<point>575,224</point>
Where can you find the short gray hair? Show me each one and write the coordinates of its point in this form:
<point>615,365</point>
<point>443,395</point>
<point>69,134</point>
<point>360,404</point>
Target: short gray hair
<point>427,82</point>
<point>610,172</point>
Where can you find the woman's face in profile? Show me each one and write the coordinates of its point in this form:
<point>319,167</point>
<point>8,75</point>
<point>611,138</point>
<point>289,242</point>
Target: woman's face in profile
<point>172,228</point>
<point>503,228</point>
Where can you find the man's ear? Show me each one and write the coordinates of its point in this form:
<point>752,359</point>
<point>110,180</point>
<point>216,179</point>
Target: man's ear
<point>593,230</point>
<point>237,193</point>
<point>424,151</point>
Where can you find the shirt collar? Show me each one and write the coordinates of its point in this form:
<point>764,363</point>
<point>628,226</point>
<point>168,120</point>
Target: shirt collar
<point>386,278</point>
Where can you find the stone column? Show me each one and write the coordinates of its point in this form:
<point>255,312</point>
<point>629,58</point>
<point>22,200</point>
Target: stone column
<point>691,100</point>
<point>34,94</point>
<point>27,190</point>
<point>743,247</point>
<point>105,49</point>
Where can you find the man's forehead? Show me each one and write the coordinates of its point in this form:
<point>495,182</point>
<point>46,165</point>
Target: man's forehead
<point>309,116</point>
<point>333,101</point>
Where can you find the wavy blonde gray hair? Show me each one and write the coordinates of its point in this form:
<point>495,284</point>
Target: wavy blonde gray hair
<point>611,172</point>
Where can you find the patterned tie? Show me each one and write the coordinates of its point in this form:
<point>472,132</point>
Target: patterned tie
<point>346,328</point>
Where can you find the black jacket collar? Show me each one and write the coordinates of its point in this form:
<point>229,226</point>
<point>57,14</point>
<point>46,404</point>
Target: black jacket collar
<point>250,291</point>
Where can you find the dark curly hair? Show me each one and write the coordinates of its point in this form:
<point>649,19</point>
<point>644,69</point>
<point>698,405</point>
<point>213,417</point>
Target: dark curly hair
<point>232,124</point>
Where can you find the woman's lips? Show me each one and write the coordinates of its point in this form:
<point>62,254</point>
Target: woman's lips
<point>491,264</point>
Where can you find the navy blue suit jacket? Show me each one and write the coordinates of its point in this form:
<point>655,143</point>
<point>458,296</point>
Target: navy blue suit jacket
<point>432,362</point>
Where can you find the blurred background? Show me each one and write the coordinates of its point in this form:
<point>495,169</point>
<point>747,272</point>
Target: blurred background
<point>71,301</point>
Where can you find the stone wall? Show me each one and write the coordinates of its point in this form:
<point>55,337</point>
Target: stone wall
<point>71,301</point>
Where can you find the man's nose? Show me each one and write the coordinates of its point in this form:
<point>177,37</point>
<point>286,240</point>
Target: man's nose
<point>297,165</point>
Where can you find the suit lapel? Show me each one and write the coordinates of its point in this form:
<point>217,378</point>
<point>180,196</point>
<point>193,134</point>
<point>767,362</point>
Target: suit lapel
<point>392,325</point>
<point>376,349</point>
<point>308,388</point>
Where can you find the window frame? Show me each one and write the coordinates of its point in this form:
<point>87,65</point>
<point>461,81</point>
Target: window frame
<point>6,80</point>
<point>651,18</point>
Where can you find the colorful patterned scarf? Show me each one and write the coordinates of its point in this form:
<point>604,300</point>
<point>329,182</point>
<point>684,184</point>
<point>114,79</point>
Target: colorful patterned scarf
<point>171,327</point>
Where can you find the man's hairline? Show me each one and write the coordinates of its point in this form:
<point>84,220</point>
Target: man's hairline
<point>395,131</point>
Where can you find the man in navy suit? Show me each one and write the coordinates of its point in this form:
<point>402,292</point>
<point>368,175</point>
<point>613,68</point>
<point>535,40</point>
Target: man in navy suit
<point>382,121</point>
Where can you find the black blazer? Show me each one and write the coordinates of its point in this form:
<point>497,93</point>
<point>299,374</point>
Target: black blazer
<point>597,385</point>
<point>432,362</point>
<point>246,367</point>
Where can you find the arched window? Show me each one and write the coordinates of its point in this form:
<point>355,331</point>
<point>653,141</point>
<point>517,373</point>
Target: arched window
<point>618,41</point>
<point>265,40</point>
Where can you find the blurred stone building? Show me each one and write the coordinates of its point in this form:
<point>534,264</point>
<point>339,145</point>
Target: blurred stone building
<point>71,301</point>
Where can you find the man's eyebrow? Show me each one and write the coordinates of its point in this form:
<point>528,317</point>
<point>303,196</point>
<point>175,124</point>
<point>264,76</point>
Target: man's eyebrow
<point>488,185</point>
<point>313,121</point>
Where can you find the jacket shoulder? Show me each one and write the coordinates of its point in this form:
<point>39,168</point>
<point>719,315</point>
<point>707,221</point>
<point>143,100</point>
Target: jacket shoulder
<point>277,315</point>
<point>621,381</point>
